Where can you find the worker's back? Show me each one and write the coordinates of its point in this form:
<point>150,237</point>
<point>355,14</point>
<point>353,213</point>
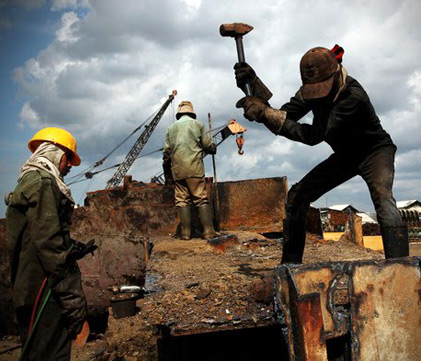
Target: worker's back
<point>186,140</point>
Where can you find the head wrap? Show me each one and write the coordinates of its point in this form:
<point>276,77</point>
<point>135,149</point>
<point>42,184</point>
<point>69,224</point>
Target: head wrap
<point>47,157</point>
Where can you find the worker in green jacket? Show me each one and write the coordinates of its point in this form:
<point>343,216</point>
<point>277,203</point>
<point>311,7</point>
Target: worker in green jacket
<point>185,142</point>
<point>38,235</point>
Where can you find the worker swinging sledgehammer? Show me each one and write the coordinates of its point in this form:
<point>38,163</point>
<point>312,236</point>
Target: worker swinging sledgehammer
<point>47,291</point>
<point>343,117</point>
<point>185,142</point>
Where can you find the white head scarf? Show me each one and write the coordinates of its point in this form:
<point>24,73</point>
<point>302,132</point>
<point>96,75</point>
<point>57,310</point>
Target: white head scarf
<point>47,157</point>
<point>342,81</point>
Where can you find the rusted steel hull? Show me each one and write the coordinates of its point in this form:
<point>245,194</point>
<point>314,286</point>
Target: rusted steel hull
<point>376,303</point>
<point>253,205</point>
<point>118,261</point>
<point>386,311</point>
<point>119,218</point>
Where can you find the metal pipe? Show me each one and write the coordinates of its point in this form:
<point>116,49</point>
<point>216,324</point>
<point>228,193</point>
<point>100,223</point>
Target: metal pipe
<point>242,59</point>
<point>214,174</point>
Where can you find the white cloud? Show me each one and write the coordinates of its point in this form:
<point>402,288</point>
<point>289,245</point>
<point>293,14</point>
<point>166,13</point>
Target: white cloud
<point>414,84</point>
<point>58,5</point>
<point>66,31</point>
<point>111,66</point>
<point>28,115</point>
<point>403,123</point>
<point>194,4</point>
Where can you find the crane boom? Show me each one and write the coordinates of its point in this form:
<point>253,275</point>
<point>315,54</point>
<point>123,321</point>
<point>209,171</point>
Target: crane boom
<point>138,146</point>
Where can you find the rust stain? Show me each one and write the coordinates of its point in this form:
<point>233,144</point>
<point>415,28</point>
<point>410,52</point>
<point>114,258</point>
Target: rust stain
<point>223,242</point>
<point>370,287</point>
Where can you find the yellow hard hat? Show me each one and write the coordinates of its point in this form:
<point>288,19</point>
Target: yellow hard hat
<point>57,136</point>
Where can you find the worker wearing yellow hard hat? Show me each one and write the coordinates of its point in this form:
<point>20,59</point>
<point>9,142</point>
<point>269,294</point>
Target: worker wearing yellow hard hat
<point>59,137</point>
<point>42,254</point>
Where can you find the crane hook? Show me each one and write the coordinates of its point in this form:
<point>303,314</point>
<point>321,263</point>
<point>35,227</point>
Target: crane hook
<point>240,142</point>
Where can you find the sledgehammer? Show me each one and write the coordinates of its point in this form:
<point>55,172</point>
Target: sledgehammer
<point>236,31</point>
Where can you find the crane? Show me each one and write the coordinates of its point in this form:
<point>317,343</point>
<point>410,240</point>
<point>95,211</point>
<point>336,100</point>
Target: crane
<point>140,143</point>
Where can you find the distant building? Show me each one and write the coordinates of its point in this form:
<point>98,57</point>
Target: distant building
<point>344,207</point>
<point>411,216</point>
<point>367,217</point>
<point>335,218</point>
<point>412,205</point>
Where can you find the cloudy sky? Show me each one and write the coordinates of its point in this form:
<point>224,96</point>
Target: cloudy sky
<point>100,68</point>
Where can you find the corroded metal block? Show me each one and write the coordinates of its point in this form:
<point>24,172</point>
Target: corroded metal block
<point>384,316</point>
<point>305,297</point>
<point>386,310</point>
<point>254,205</point>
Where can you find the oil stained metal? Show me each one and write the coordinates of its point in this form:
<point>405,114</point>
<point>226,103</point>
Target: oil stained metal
<point>376,303</point>
<point>386,310</point>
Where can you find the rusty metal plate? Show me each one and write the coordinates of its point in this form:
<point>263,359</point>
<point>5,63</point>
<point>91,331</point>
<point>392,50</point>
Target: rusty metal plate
<point>304,295</point>
<point>322,280</point>
<point>386,310</point>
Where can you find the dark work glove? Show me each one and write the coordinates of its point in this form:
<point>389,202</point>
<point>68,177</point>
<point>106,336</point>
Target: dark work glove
<point>211,149</point>
<point>71,298</point>
<point>244,72</point>
<point>254,108</point>
<point>166,166</point>
<point>80,250</point>
<point>261,112</point>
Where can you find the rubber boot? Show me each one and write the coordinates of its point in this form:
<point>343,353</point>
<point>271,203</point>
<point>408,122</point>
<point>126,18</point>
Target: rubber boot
<point>185,222</point>
<point>294,242</point>
<point>395,241</point>
<point>207,222</point>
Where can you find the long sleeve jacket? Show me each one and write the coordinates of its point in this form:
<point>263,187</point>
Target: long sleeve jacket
<point>38,235</point>
<point>349,124</point>
<point>185,143</point>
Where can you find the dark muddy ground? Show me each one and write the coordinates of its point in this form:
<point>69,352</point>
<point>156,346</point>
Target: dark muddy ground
<point>195,288</point>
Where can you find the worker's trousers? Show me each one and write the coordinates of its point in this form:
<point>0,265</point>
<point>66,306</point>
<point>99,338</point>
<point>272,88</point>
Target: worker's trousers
<point>190,191</point>
<point>377,170</point>
<point>50,340</point>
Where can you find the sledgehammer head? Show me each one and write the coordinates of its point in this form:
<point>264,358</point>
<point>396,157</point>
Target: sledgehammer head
<point>235,30</point>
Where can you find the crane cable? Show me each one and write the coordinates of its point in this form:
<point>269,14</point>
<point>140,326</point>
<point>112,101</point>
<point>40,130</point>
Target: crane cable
<point>89,175</point>
<point>103,159</point>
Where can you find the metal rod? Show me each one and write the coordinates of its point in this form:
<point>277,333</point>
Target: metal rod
<point>242,59</point>
<point>214,174</point>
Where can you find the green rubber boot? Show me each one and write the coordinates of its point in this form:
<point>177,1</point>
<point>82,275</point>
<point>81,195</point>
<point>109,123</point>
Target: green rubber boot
<point>185,222</point>
<point>207,222</point>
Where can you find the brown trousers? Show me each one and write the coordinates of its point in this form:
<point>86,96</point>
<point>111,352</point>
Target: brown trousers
<point>190,190</point>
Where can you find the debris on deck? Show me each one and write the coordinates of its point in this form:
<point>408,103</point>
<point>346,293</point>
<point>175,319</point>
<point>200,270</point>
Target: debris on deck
<point>215,299</point>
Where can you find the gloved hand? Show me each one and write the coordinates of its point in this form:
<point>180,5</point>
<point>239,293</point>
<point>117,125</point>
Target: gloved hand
<point>69,293</point>
<point>211,149</point>
<point>166,166</point>
<point>80,250</point>
<point>256,109</point>
<point>253,107</point>
<point>244,72</point>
